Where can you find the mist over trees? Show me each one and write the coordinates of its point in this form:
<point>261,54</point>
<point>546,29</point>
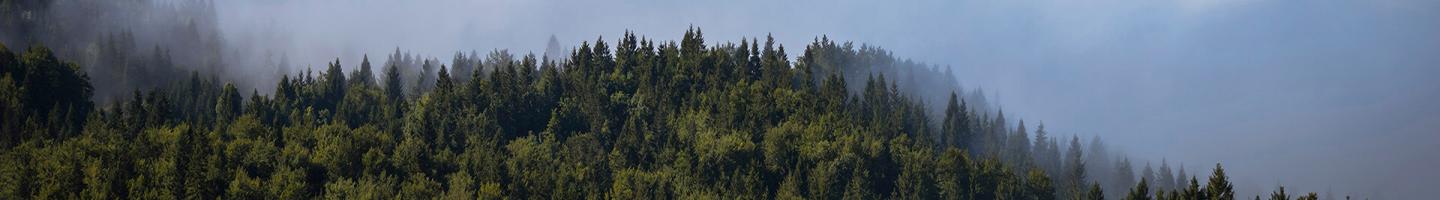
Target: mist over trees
<point>138,116</point>
<point>122,45</point>
<point>650,119</point>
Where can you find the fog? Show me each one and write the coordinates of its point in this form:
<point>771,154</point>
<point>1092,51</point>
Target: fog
<point>1328,96</point>
<point>1335,97</point>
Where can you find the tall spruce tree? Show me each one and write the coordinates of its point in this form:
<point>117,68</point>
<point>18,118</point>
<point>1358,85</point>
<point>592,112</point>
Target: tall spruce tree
<point>1167,179</point>
<point>1075,168</point>
<point>1124,175</point>
<point>956,129</point>
<point>1148,173</point>
<point>1140,192</point>
<point>1019,152</point>
<point>1219,185</point>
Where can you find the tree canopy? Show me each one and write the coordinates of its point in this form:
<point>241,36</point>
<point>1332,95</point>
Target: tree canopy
<point>636,119</point>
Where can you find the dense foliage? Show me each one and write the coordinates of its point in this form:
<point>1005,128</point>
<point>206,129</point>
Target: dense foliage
<point>637,120</point>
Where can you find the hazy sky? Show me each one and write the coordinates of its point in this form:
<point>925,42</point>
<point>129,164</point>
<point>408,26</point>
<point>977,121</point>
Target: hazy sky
<point>1312,94</point>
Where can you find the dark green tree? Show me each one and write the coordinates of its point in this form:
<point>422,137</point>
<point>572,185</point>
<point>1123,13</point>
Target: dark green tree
<point>1140,192</point>
<point>1075,178</point>
<point>1219,185</point>
<point>229,105</point>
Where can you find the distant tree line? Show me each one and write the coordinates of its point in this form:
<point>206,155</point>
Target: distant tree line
<point>637,120</point>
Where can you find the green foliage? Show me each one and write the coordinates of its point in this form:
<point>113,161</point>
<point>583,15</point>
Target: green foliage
<point>650,120</point>
<point>1219,185</point>
<point>1094,193</point>
<point>1279,194</point>
<point>1140,192</point>
<point>1040,186</point>
<point>44,98</point>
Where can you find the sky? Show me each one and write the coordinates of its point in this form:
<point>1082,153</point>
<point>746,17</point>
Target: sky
<point>1318,95</point>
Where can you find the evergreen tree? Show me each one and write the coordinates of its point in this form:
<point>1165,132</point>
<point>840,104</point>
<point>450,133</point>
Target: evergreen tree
<point>1309,196</point>
<point>1279,194</point>
<point>1166,178</point>
<point>1095,193</point>
<point>1180,178</point>
<point>1192,190</point>
<point>443,83</point>
<point>1042,149</point>
<point>995,139</point>
<point>954,129</point>
<point>1148,173</point>
<point>364,76</point>
<point>1219,185</point>
<point>1020,145</point>
<point>1124,175</point>
<point>1098,162</point>
<point>1039,185</point>
<point>1075,168</point>
<point>394,89</point>
<point>229,105</point>
<point>677,121</point>
<point>1141,191</point>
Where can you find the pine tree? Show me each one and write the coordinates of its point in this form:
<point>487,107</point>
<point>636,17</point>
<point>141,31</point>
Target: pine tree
<point>364,76</point>
<point>1309,196</point>
<point>773,62</point>
<point>1075,168</point>
<point>1180,178</point>
<point>955,131</point>
<point>1020,146</point>
<point>995,139</point>
<point>1148,173</point>
<point>394,89</point>
<point>553,53</point>
<point>229,104</point>
<point>1192,190</point>
<point>1279,194</point>
<point>1052,156</point>
<point>1219,185</point>
<point>1039,185</point>
<point>335,82</point>
<point>1167,179</point>
<point>1141,191</point>
<point>1042,150</point>
<point>443,83</point>
<point>1098,162</point>
<point>1095,192</point>
<point>426,81</point>
<point>1124,175</point>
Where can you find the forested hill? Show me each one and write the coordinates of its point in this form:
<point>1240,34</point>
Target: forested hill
<point>641,119</point>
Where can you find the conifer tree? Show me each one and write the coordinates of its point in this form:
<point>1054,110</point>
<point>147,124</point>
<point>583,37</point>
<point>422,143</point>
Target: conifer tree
<point>1192,190</point>
<point>1279,194</point>
<point>1019,145</point>
<point>1042,150</point>
<point>1141,191</point>
<point>1219,185</point>
<point>1166,178</point>
<point>364,76</point>
<point>1124,175</point>
<point>394,89</point>
<point>229,103</point>
<point>955,130</point>
<point>1180,178</point>
<point>1095,193</point>
<point>1147,173</point>
<point>1075,168</point>
<point>1098,161</point>
<point>1039,185</point>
